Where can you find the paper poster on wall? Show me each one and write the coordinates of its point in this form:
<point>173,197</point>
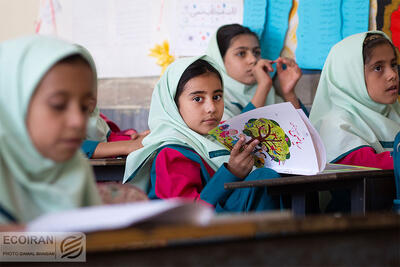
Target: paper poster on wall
<point>324,23</point>
<point>119,34</point>
<point>196,21</point>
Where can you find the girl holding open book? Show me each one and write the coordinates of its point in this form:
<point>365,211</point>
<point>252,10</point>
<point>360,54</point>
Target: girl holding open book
<point>246,76</point>
<point>179,160</point>
<point>45,87</point>
<point>356,110</point>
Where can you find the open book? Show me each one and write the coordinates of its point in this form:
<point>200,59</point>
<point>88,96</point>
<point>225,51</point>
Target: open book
<point>288,141</point>
<point>108,217</point>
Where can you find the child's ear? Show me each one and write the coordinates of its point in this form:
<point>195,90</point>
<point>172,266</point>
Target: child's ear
<point>92,104</point>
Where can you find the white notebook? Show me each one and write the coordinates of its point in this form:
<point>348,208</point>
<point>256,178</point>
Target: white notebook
<point>108,217</point>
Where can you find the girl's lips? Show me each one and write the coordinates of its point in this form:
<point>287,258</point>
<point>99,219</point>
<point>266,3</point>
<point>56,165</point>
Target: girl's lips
<point>72,142</point>
<point>210,121</point>
<point>392,88</point>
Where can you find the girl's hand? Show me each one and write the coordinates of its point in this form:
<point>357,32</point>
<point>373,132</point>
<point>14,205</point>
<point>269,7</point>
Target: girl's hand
<point>141,135</point>
<point>261,72</point>
<point>288,77</point>
<point>136,142</point>
<point>264,82</point>
<point>119,148</point>
<point>241,160</point>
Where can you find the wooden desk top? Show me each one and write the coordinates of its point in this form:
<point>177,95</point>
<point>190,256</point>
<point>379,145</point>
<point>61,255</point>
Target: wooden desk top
<point>319,178</point>
<point>261,225</point>
<point>108,162</point>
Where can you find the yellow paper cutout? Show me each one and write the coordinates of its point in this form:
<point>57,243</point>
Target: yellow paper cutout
<point>161,53</point>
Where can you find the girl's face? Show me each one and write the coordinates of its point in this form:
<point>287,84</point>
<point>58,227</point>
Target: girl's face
<point>58,110</point>
<point>201,104</point>
<point>381,75</point>
<point>241,57</point>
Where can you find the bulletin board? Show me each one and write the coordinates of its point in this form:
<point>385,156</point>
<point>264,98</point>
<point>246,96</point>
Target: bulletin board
<point>120,33</point>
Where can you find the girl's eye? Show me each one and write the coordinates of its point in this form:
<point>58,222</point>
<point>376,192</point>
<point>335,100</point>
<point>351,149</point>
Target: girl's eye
<point>85,108</point>
<point>197,98</point>
<point>394,65</point>
<point>377,68</point>
<point>241,53</point>
<point>217,97</point>
<point>58,107</point>
<point>257,53</point>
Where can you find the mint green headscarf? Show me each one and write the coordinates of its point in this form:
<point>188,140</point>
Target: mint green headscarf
<point>343,113</point>
<point>97,128</point>
<point>167,127</point>
<point>30,184</point>
<point>234,91</point>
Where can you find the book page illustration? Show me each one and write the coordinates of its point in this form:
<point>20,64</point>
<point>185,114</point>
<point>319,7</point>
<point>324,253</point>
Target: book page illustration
<point>285,143</point>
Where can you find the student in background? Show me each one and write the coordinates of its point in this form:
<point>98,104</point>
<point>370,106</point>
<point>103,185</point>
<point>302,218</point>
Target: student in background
<point>104,138</point>
<point>178,157</point>
<point>355,110</point>
<point>45,87</point>
<point>247,81</point>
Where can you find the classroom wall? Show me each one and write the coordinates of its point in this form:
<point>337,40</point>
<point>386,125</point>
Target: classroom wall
<point>17,17</point>
<point>124,100</point>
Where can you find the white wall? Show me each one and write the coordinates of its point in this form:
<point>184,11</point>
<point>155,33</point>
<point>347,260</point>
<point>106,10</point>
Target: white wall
<point>17,17</point>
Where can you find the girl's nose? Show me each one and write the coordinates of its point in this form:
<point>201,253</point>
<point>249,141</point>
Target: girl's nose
<point>252,59</point>
<point>392,74</point>
<point>77,118</point>
<point>210,106</point>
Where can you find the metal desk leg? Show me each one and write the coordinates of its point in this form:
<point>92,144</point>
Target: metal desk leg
<point>299,204</point>
<point>358,197</point>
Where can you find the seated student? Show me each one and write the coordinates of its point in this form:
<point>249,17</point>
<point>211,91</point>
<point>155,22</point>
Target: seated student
<point>45,87</point>
<point>178,157</point>
<point>102,136</point>
<point>247,82</point>
<point>396,162</point>
<point>355,110</point>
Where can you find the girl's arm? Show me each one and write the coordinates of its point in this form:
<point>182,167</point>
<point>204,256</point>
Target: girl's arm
<point>96,150</point>
<point>180,173</point>
<point>88,147</point>
<point>366,156</point>
<point>114,149</point>
<point>176,175</point>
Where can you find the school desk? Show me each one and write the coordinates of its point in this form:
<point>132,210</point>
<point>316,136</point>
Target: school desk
<point>261,240</point>
<point>109,169</point>
<point>369,189</point>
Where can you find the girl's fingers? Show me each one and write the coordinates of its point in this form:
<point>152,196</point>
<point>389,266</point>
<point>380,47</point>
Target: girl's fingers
<point>134,136</point>
<point>236,148</point>
<point>269,67</point>
<point>250,148</point>
<point>267,64</point>
<point>146,132</point>
<point>279,67</point>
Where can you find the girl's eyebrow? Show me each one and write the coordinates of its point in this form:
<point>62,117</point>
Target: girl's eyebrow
<point>242,48</point>
<point>203,92</point>
<point>246,48</point>
<point>197,92</point>
<point>59,93</point>
<point>382,61</point>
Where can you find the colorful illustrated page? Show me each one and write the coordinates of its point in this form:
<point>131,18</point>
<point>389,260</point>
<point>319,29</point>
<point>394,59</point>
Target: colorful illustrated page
<point>286,145</point>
